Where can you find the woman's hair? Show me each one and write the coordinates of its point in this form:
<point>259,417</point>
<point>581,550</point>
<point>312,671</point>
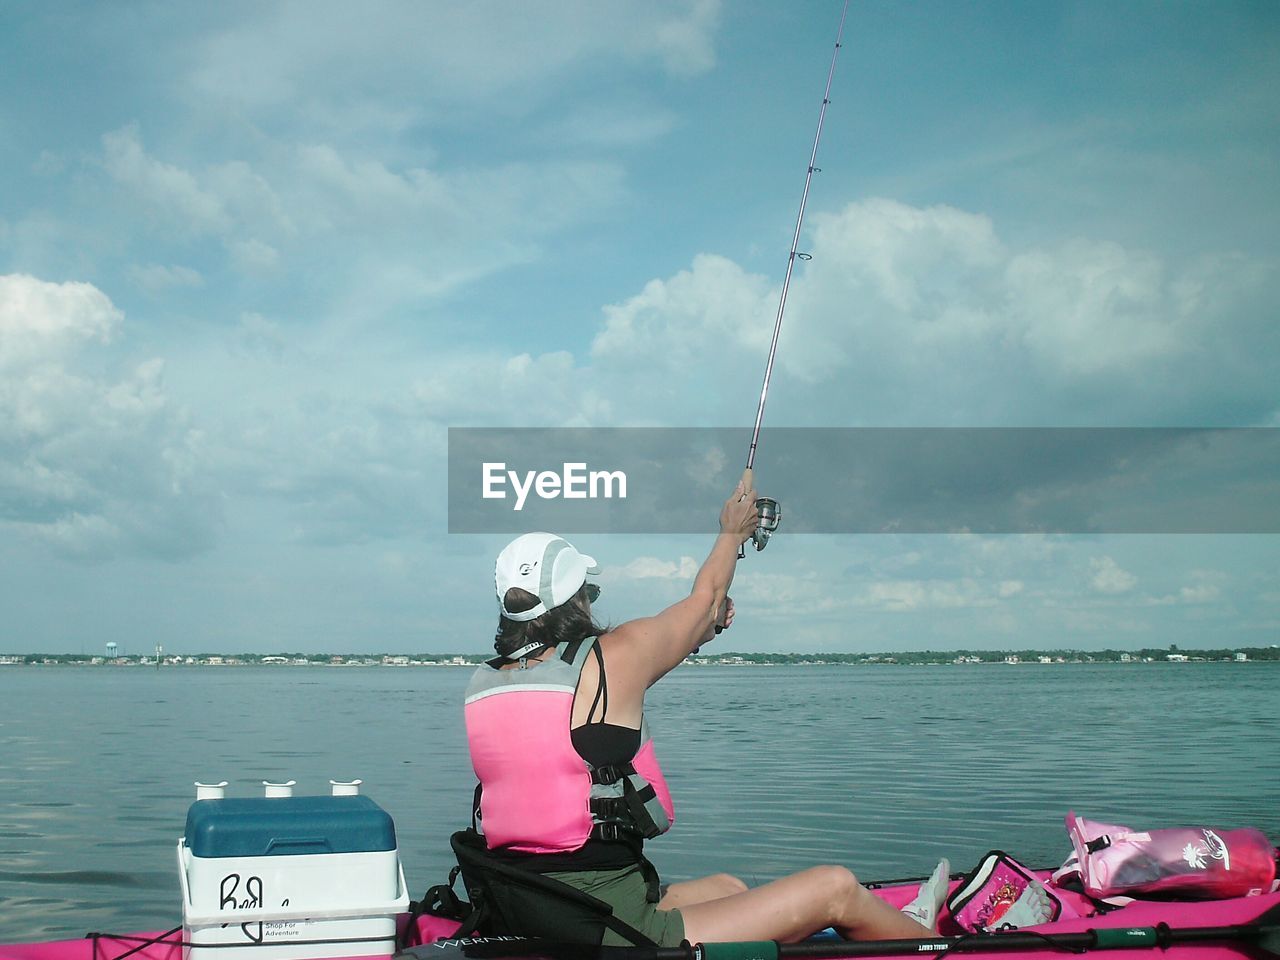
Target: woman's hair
<point>570,621</point>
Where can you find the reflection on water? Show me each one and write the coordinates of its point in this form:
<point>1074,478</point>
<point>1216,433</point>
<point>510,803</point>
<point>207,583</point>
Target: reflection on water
<point>883,768</point>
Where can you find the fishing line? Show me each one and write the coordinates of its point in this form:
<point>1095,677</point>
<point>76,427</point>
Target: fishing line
<point>768,509</point>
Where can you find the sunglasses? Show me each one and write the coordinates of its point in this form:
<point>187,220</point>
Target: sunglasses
<point>593,592</point>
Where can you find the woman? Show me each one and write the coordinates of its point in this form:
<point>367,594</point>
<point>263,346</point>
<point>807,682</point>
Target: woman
<point>570,785</point>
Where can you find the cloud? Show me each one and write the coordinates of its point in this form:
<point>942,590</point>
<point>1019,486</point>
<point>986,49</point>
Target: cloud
<point>258,334</point>
<point>156,279</point>
<point>337,466</point>
<point>168,191</point>
<point>919,303</point>
<point>906,595</point>
<point>610,126</point>
<point>939,281</point>
<point>548,390</point>
<point>1109,577</point>
<point>1205,587</point>
<point>356,456</point>
<point>654,568</point>
<point>683,40</point>
<point>1199,593</point>
<point>703,470</point>
<point>40,319</point>
<point>92,466</point>
<point>896,594</point>
<point>49,164</point>
<point>677,319</point>
<point>911,306</point>
<point>377,236</point>
<point>924,316</point>
<point>692,345</point>
<point>1111,308</point>
<point>810,593</point>
<point>469,210</point>
<point>253,255</point>
<point>330,65</point>
<point>217,199</point>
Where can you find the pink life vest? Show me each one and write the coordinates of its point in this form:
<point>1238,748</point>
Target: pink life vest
<point>538,795</point>
<point>1192,862</point>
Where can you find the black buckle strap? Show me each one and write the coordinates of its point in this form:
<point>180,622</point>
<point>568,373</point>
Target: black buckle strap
<point>612,817</point>
<point>618,817</point>
<point>613,830</point>
<point>653,887</point>
<point>611,773</point>
<point>637,813</point>
<point>609,809</point>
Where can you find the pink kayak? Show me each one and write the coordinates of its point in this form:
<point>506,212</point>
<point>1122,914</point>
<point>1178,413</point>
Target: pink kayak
<point>1229,929</point>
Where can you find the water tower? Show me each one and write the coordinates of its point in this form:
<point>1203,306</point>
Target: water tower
<point>111,650</point>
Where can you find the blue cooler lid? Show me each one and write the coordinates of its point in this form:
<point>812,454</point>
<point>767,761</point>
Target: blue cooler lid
<point>287,826</point>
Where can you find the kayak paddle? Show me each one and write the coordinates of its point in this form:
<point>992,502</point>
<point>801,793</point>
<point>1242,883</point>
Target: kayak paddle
<point>1262,936</point>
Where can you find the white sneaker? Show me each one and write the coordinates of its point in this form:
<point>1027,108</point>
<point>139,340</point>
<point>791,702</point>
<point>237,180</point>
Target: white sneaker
<point>924,909</point>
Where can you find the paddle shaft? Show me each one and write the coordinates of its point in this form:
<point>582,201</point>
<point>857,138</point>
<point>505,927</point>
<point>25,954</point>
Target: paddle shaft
<point>1262,935</point>
<point>1265,933</point>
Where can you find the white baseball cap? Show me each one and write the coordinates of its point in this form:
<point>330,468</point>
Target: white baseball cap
<point>546,566</point>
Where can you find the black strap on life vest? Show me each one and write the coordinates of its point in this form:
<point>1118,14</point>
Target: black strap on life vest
<point>624,816</point>
<point>611,773</point>
<point>571,649</point>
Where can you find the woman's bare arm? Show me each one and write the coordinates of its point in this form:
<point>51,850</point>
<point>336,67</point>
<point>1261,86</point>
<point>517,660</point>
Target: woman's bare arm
<point>641,651</point>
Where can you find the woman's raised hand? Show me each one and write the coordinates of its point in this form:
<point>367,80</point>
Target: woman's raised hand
<point>739,516</point>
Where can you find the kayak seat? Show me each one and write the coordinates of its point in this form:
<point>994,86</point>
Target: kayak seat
<point>508,901</point>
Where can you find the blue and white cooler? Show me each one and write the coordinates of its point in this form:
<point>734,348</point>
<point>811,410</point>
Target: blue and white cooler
<point>287,878</point>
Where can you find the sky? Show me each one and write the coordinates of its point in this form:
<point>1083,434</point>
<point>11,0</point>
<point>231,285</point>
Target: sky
<point>256,259</point>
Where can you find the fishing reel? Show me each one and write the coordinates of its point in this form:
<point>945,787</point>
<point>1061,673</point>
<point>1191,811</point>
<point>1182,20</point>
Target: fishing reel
<point>769,512</point>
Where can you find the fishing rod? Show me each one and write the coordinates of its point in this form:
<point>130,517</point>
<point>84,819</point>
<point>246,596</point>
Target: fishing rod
<point>768,509</point>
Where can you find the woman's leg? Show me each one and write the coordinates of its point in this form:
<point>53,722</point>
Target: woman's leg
<point>680,895</point>
<point>793,907</point>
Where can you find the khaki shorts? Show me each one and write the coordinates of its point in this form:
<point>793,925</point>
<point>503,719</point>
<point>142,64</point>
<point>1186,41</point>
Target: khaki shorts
<point>627,892</point>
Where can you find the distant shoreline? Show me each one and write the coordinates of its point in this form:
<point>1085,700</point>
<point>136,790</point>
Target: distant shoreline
<point>734,659</point>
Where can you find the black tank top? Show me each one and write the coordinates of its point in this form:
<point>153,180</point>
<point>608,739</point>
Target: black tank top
<point>605,744</point>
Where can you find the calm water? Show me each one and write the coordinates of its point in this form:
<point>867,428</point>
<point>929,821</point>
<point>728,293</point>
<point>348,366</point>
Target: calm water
<point>883,768</point>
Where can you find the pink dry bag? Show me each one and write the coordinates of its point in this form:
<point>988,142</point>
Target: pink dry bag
<point>1191,862</point>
